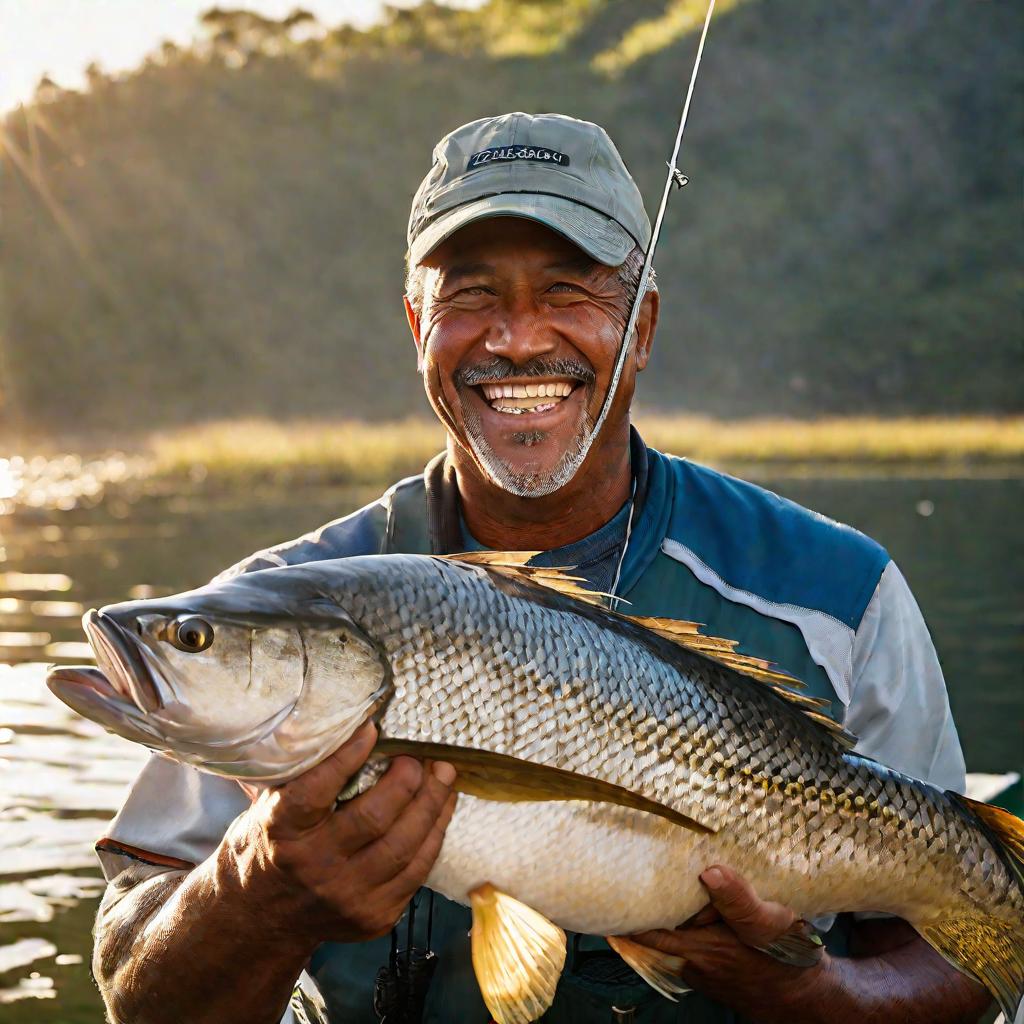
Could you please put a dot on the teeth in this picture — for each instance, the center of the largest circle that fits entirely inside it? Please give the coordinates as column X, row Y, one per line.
column 552, row 390
column 538, row 404
column 518, row 410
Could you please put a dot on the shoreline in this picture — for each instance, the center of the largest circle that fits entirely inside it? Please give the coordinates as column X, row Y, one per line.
column 64, row 472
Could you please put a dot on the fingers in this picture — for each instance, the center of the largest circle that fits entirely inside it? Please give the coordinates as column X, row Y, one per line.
column 710, row 951
column 367, row 817
column 309, row 799
column 406, row 882
column 708, row 914
column 675, row 943
column 755, row 921
column 394, row 848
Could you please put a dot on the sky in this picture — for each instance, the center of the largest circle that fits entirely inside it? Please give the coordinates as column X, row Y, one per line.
column 61, row 37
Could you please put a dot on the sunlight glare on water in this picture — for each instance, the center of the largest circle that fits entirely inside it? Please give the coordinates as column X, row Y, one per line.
column 8, row 483
column 61, row 779
column 64, row 482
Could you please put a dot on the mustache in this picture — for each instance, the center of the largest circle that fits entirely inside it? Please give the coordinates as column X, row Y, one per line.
column 490, row 371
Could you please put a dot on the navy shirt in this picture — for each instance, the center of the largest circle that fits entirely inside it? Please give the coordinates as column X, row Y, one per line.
column 595, row 558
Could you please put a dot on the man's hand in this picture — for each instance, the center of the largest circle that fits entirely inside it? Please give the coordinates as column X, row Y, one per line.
column 344, row 875
column 290, row 873
column 722, row 961
column 894, row 976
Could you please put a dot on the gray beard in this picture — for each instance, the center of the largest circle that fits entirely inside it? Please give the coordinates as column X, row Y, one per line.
column 525, row 484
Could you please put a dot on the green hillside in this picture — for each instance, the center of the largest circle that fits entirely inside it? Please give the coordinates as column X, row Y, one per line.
column 221, row 232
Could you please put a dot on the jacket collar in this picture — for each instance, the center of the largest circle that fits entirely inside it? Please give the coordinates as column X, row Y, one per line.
column 652, row 505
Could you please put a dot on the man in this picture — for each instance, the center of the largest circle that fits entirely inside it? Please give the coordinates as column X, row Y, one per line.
column 525, row 248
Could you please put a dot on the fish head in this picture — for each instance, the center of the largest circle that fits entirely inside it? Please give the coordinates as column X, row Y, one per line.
column 238, row 678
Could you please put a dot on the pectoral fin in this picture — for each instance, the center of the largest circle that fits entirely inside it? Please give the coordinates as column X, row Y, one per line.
column 801, row 946
column 503, row 778
column 659, row 970
column 518, row 956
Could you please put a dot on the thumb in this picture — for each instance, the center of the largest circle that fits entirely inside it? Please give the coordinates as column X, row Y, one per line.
column 308, row 800
column 755, row 921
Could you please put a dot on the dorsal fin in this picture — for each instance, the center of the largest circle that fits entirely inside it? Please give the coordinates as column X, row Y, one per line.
column 687, row 635
column 513, row 565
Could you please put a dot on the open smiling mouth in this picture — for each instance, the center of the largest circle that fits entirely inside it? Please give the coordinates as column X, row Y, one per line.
column 519, row 399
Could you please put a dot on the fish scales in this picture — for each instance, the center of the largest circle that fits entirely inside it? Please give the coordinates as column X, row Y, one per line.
column 543, row 681
column 669, row 761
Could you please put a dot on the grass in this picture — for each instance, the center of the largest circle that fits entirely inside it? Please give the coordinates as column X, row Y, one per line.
column 339, row 451
column 357, row 452
column 848, row 439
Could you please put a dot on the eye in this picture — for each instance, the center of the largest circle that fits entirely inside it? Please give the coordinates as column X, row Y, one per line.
column 190, row 634
column 564, row 286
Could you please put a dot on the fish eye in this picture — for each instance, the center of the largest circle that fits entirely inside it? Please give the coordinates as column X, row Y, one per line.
column 189, row 633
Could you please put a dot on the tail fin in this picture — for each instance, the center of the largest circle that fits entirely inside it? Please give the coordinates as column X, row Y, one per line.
column 990, row 949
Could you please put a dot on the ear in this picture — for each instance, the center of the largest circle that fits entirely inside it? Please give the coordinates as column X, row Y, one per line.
column 646, row 325
column 414, row 326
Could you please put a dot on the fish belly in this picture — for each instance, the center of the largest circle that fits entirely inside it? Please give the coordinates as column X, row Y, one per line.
column 601, row 869
column 590, row 868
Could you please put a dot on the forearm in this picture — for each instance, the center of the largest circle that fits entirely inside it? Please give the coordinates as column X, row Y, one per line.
column 892, row 976
column 226, row 940
column 196, row 946
column 907, row 984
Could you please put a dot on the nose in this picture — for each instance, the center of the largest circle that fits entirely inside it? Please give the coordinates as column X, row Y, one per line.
column 520, row 333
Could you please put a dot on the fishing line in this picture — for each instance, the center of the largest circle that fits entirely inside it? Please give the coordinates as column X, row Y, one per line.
column 678, row 179
column 613, row 603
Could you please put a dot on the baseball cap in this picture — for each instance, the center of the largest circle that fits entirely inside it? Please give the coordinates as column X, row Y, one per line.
column 557, row 170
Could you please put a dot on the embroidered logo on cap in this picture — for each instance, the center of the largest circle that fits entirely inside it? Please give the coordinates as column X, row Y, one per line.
column 506, row 154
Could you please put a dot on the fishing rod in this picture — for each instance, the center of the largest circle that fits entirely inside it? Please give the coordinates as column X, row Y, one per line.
column 675, row 178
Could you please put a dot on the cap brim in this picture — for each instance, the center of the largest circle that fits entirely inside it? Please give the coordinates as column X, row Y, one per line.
column 600, row 237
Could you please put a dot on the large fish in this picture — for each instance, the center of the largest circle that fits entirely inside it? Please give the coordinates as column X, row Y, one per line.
column 604, row 761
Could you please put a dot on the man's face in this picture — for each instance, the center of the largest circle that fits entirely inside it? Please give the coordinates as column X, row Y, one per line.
column 518, row 337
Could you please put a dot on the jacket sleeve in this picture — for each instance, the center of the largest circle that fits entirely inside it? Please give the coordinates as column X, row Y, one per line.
column 899, row 708
column 174, row 817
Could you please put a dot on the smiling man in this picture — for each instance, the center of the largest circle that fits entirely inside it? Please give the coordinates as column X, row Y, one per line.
column 526, row 246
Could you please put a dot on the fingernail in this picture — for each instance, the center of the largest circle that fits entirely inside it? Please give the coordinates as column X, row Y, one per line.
column 712, row 878
column 443, row 772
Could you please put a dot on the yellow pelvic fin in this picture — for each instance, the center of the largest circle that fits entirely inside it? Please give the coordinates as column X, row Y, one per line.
column 660, row 970
column 507, row 779
column 518, row 956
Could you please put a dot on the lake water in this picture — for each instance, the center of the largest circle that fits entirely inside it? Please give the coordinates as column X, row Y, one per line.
column 958, row 541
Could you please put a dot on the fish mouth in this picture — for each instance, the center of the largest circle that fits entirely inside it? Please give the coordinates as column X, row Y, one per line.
column 121, row 662
column 87, row 690
column 85, row 677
